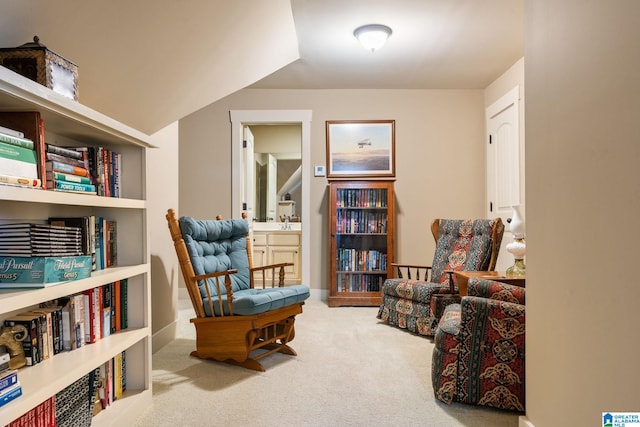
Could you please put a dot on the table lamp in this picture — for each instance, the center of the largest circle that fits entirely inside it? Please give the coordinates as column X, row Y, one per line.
column 517, row 248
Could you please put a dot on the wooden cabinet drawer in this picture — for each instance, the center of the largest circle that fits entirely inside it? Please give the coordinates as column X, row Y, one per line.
column 259, row 239
column 284, row 239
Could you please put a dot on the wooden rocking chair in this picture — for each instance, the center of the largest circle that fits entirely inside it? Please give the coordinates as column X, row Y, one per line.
column 235, row 322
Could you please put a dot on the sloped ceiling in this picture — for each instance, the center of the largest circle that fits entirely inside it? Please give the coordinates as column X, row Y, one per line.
column 150, row 63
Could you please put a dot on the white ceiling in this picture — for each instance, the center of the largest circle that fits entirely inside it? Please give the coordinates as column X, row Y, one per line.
column 148, row 66
column 436, row 44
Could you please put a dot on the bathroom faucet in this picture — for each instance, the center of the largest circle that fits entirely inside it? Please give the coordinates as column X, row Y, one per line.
column 286, row 225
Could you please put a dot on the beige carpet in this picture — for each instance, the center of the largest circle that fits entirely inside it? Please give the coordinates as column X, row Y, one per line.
column 350, row 370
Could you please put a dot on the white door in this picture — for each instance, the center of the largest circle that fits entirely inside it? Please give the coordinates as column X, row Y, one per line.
column 272, row 187
column 504, row 171
column 249, row 178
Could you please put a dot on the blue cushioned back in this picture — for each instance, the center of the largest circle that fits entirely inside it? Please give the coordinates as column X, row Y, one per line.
column 217, row 245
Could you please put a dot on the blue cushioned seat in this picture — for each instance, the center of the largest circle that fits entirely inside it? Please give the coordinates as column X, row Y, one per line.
column 221, row 245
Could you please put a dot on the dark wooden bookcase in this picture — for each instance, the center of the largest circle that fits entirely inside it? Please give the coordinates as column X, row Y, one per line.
column 361, row 247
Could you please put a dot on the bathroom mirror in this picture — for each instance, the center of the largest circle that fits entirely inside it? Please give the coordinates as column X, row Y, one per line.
column 277, row 173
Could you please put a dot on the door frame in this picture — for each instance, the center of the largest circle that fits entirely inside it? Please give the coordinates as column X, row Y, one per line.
column 511, row 99
column 240, row 118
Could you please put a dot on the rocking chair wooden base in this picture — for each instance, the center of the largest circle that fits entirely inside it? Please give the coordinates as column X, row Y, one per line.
column 243, row 340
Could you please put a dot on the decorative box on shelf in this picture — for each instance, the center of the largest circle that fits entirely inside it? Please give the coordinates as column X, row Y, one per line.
column 34, row 61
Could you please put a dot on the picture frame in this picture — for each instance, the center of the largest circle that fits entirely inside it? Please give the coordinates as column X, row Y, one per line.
column 360, row 148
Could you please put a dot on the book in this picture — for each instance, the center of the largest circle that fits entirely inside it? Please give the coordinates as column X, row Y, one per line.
column 63, row 159
column 106, row 309
column 111, row 243
column 20, row 181
column 85, row 158
column 99, row 239
column 68, row 323
column 32, row 125
column 71, row 187
column 117, row 383
column 113, row 307
column 15, row 140
column 54, row 166
column 117, row 302
column 10, row 394
column 62, row 151
column 80, row 319
column 124, row 301
column 102, row 387
column 40, row 272
column 18, row 161
column 88, row 316
column 124, row 371
column 60, row 176
column 12, row 132
column 8, row 379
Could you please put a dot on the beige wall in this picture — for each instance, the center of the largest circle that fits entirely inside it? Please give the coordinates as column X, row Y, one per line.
column 162, row 194
column 582, row 156
column 439, row 158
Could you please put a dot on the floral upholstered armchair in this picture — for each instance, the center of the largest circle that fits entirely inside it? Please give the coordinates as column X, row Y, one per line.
column 480, row 347
column 461, row 245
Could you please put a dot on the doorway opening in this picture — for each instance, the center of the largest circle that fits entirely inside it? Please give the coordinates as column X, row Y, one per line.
column 243, row 118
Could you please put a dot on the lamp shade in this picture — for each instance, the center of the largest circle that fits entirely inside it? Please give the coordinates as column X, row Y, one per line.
column 372, row 36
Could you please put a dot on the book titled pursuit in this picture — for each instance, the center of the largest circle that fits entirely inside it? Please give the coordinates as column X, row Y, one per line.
column 37, row 272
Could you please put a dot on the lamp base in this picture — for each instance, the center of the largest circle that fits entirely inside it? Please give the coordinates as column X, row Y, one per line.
column 517, row 269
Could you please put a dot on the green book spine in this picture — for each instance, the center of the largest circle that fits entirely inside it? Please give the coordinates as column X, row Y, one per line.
column 17, row 141
column 60, row 176
column 15, row 152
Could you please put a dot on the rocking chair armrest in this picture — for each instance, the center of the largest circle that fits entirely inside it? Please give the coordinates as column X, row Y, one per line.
column 273, row 268
column 214, row 274
column 227, row 284
column 408, row 268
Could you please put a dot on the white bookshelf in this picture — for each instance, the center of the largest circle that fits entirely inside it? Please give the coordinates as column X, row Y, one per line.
column 74, row 124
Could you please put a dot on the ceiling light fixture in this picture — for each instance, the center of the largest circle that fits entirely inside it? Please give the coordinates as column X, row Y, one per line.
column 372, row 36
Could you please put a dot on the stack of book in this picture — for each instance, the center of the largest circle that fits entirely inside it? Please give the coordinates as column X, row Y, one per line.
column 9, row 385
column 40, row 255
column 68, row 170
column 39, row 240
column 18, row 159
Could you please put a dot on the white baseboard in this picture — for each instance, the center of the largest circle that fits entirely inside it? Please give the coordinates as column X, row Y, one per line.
column 318, row 294
column 164, row 336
